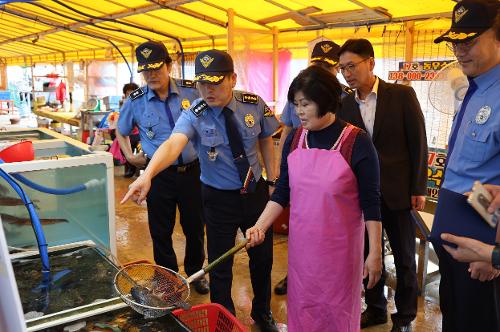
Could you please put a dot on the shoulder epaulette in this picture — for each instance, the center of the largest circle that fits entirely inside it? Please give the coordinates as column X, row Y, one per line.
column 199, row 108
column 245, row 97
column 347, row 90
column 136, row 93
column 185, row 83
column 267, row 111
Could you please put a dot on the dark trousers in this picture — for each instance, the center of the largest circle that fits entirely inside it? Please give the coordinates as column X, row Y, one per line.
column 400, row 230
column 168, row 190
column 466, row 304
column 225, row 211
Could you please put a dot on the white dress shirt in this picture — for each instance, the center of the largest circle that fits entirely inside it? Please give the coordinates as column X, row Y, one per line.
column 368, row 106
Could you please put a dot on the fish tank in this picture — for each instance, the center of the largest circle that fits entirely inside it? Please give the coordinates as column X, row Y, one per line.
column 27, row 134
column 61, row 162
column 78, row 224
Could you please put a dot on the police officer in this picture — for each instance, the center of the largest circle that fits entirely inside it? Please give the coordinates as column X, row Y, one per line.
column 468, row 304
column 154, row 109
column 225, row 126
column 325, row 55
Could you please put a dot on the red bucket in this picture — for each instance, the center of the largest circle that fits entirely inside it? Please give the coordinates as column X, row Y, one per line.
column 22, row 151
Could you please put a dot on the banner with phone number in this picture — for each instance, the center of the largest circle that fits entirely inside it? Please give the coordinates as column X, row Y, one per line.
column 435, row 170
column 418, row 70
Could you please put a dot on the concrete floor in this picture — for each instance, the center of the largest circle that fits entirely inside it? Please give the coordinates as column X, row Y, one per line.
column 134, row 243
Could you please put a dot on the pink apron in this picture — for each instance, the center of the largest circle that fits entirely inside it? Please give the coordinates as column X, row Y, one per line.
column 325, row 241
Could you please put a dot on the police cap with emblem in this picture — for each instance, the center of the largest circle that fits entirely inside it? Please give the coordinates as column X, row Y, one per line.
column 470, row 18
column 151, row 55
column 326, row 51
column 212, row 66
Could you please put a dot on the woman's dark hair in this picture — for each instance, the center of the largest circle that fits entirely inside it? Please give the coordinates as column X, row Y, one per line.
column 361, row 47
column 129, row 87
column 319, row 85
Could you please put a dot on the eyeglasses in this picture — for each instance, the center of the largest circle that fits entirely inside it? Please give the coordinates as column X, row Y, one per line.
column 352, row 66
column 464, row 47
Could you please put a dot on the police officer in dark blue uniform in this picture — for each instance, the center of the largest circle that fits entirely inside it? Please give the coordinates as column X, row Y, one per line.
column 326, row 55
column 225, row 126
column 468, row 293
column 154, row 109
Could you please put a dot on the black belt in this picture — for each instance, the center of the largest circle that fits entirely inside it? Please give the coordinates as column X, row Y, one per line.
column 179, row 168
column 184, row 167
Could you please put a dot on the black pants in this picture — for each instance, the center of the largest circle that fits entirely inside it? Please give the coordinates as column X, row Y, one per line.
column 400, row 230
column 466, row 304
column 225, row 211
column 169, row 189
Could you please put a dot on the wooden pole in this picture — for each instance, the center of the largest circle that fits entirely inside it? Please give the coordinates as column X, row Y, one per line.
column 410, row 35
column 230, row 31
column 275, row 66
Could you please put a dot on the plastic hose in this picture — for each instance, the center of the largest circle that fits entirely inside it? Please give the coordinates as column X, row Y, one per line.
column 35, row 222
column 55, row 191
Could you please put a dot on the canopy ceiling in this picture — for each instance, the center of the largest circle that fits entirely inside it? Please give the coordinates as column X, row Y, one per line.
column 74, row 29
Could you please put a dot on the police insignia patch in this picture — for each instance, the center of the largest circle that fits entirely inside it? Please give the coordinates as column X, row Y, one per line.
column 483, row 115
column 249, row 120
column 146, row 52
column 206, row 61
column 347, row 90
column 185, row 103
column 268, row 112
column 249, row 98
column 326, row 48
column 136, row 94
column 199, row 108
column 459, row 13
column 187, row 83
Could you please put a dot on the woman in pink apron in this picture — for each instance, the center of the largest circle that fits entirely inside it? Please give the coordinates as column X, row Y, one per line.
column 330, row 178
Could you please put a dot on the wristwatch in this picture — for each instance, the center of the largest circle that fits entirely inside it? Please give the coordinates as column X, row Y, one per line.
column 495, row 257
column 271, row 183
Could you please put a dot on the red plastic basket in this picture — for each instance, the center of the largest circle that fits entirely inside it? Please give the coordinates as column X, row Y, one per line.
column 22, row 151
column 211, row 317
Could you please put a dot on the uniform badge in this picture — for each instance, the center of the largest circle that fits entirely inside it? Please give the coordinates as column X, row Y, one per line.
column 326, row 48
column 199, row 108
column 459, row 13
column 268, row 112
column 347, row 90
column 483, row 115
column 187, row 84
column 206, row 61
column 212, row 154
column 250, row 98
column 146, row 52
column 150, row 134
column 185, row 103
column 136, row 94
column 249, row 120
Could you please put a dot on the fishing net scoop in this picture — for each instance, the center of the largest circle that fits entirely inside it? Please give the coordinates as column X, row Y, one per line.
column 154, row 291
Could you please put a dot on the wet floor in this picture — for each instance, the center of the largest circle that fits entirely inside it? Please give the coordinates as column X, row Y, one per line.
column 134, row 243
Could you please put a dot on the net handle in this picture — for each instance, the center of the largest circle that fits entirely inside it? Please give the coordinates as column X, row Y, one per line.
column 216, row 262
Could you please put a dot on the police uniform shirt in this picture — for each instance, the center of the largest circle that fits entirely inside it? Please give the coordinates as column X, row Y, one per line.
column 289, row 116
column 476, row 154
column 149, row 113
column 205, row 126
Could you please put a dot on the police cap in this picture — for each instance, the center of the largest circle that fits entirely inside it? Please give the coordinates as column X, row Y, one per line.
column 151, row 55
column 470, row 18
column 326, row 51
column 212, row 66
